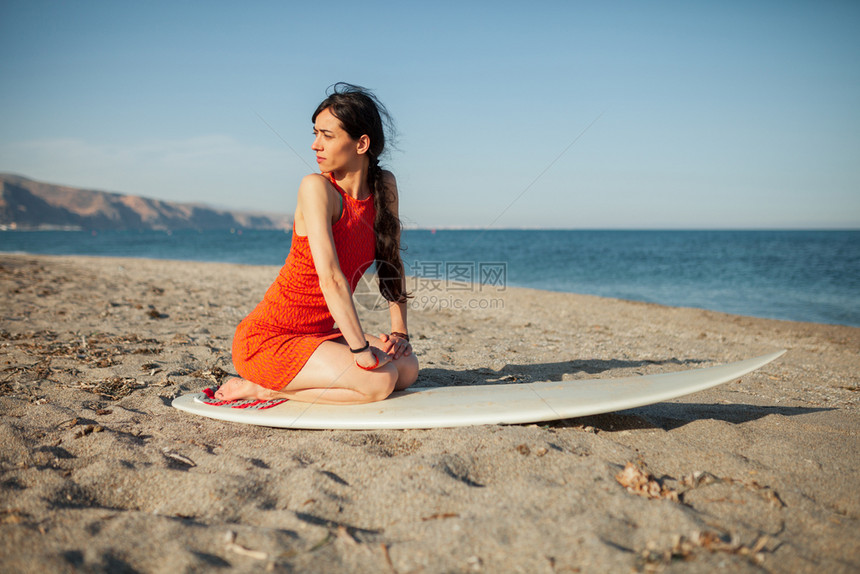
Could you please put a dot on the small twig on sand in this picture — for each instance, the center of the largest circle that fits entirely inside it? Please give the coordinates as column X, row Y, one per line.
column 230, row 544
column 387, row 557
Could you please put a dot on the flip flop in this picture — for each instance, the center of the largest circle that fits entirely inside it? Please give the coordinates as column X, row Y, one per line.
column 209, row 399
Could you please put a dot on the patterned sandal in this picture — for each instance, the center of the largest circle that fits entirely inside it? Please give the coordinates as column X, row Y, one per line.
column 210, row 399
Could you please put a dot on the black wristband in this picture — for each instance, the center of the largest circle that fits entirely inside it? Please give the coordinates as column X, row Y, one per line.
column 361, row 350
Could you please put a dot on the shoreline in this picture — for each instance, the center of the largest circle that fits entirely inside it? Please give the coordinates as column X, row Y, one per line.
column 417, row 278
column 764, row 470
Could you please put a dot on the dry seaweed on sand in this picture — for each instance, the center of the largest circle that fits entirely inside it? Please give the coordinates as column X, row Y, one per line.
column 703, row 478
column 113, row 388
column 640, row 481
column 95, row 350
column 652, row 557
column 215, row 374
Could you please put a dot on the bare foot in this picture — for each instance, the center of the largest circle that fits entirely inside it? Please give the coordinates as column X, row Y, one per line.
column 239, row 389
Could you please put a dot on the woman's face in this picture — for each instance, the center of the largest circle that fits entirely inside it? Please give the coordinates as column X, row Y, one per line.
column 335, row 149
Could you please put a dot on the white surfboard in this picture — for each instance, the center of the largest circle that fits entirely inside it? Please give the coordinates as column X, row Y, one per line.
column 436, row 407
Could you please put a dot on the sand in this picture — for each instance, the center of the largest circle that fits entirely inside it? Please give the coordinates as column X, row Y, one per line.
column 98, row 473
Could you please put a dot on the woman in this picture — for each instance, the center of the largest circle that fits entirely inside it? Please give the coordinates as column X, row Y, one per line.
column 345, row 218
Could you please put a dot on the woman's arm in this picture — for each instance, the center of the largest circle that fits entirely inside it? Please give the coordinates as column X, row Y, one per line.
column 316, row 206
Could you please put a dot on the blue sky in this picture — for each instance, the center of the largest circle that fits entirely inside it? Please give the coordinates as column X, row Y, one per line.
column 708, row 115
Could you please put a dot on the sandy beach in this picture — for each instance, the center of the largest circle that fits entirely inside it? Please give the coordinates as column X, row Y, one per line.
column 98, row 473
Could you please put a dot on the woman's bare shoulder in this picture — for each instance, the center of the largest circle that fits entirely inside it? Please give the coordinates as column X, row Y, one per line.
column 315, row 184
column 314, row 180
column 315, row 190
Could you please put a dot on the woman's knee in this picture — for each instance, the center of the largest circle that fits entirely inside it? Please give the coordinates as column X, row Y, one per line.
column 407, row 371
column 381, row 383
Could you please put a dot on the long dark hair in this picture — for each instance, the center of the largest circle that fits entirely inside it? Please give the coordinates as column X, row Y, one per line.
column 361, row 113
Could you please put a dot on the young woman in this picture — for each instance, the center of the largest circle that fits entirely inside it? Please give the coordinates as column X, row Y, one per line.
column 346, row 218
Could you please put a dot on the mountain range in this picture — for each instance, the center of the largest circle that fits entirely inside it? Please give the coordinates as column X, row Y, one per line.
column 26, row 204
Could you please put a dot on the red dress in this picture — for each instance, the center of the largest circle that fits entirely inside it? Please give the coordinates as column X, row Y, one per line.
column 274, row 342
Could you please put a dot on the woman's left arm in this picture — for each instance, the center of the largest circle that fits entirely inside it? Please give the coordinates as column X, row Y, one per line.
column 395, row 344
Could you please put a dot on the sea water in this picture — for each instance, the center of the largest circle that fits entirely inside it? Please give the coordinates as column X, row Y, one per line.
column 795, row 275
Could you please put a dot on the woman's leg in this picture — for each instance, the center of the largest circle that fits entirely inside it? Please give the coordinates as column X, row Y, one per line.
column 407, row 366
column 331, row 376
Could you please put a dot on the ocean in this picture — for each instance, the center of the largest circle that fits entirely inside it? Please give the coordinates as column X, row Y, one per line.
column 796, row 275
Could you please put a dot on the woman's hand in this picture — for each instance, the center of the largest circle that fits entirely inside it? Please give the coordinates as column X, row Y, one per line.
column 395, row 345
column 368, row 359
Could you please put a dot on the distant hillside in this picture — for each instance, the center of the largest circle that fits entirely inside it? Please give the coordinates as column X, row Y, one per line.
column 28, row 204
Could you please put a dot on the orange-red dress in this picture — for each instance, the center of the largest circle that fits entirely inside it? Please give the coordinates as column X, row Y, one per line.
column 274, row 342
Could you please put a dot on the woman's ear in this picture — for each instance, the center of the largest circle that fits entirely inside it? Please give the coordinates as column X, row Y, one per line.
column 363, row 144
